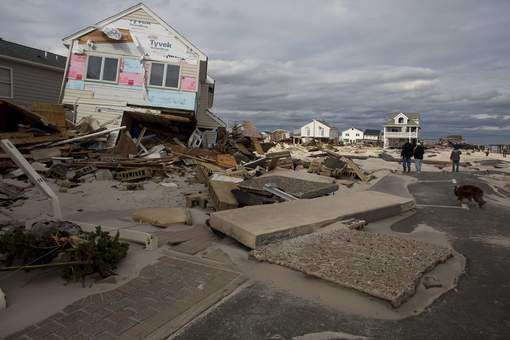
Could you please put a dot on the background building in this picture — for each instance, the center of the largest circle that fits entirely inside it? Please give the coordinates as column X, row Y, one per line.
column 29, row 75
column 279, row 135
column 372, row 136
column 318, row 129
column 352, row 136
column 401, row 127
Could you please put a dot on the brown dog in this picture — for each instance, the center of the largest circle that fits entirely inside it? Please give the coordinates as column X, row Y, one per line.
column 470, row 192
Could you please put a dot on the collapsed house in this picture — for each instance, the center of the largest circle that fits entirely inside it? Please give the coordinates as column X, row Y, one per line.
column 133, row 69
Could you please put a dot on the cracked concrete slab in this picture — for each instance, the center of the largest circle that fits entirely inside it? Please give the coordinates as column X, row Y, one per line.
column 384, row 266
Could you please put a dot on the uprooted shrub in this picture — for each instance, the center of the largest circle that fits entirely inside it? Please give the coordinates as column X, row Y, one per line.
column 99, row 253
column 81, row 253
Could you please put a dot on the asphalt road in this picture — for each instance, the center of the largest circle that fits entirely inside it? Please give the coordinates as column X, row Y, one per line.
column 478, row 309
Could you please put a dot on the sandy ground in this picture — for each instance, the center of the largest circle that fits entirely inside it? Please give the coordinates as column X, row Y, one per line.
column 35, row 295
column 374, row 163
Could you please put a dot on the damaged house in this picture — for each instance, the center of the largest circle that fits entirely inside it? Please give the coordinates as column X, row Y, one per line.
column 133, row 69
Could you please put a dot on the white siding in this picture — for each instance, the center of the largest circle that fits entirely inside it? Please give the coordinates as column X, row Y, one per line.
column 140, row 15
column 116, row 92
column 316, row 129
column 71, row 96
column 352, row 135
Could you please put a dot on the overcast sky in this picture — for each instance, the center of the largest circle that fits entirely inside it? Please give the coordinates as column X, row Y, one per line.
column 282, row 63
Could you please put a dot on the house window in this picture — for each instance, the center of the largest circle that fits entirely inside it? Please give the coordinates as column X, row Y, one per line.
column 307, row 131
column 401, row 120
column 357, row 135
column 6, row 88
column 164, row 75
column 321, row 131
column 102, row 68
column 346, row 135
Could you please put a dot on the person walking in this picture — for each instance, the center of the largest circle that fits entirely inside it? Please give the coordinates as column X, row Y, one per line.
column 407, row 153
column 419, row 150
column 455, row 158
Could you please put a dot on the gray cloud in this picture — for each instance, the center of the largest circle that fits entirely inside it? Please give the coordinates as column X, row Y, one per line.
column 281, row 63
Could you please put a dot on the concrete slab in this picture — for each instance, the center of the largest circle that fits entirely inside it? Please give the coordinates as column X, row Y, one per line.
column 299, row 174
column 162, row 217
column 296, row 187
column 255, row 226
column 384, row 266
column 221, row 195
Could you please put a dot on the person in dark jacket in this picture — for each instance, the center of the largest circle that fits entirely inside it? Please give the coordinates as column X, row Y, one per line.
column 419, row 150
column 455, row 158
column 407, row 153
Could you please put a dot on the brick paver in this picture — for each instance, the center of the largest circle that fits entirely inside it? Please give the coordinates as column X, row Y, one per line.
column 162, row 292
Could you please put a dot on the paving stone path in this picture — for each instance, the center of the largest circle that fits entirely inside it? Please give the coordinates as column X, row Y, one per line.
column 154, row 304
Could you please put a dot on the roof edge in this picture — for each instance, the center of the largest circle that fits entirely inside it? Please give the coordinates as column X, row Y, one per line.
column 66, row 40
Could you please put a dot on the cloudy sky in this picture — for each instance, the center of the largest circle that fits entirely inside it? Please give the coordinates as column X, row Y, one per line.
column 282, row 63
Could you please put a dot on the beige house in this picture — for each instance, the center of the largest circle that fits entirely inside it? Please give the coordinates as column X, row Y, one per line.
column 401, row 127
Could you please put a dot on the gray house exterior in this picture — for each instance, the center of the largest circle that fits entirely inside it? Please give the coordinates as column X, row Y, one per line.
column 29, row 75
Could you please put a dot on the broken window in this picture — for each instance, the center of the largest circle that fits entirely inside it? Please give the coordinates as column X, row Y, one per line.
column 5, row 82
column 102, row 68
column 164, row 75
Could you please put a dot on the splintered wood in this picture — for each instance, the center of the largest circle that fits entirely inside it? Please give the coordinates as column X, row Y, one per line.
column 380, row 265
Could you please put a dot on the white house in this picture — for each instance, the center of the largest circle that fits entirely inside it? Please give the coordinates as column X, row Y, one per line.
column 371, row 136
column 318, row 129
column 401, row 127
column 352, row 136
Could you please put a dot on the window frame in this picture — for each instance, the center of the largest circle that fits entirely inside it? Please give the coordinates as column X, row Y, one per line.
column 165, row 67
column 101, row 72
column 10, row 83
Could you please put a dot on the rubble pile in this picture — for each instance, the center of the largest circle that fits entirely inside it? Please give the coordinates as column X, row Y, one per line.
column 84, row 153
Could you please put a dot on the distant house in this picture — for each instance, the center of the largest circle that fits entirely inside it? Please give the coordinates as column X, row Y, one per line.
column 401, row 127
column 371, row 136
column 279, row 135
column 318, row 129
column 352, row 136
column 29, row 75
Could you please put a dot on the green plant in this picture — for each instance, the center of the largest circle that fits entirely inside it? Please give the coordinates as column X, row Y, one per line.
column 17, row 244
column 99, row 253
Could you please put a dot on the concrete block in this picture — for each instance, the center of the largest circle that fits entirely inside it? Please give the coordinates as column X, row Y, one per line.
column 162, row 217
column 221, row 194
column 296, row 187
column 254, row 226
